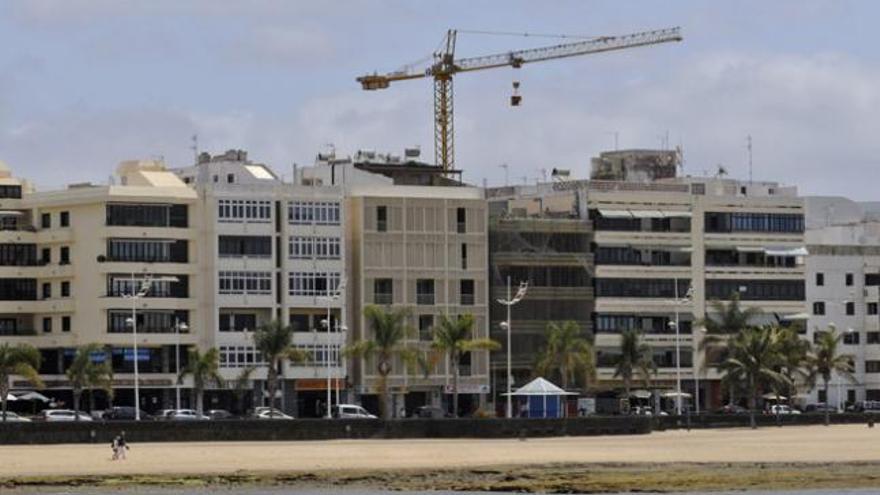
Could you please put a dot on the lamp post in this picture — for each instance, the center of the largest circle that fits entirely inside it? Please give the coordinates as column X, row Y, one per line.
column 179, row 326
column 133, row 297
column 677, row 324
column 331, row 297
column 520, row 294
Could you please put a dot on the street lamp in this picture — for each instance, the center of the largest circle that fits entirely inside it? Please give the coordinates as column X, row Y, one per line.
column 179, row 326
column 677, row 324
column 520, row 294
column 331, row 297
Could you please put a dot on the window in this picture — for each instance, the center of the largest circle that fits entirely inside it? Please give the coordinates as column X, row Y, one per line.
column 313, row 283
column 461, row 220
column 872, row 279
column 300, row 322
column 548, row 276
column 320, row 355
column 872, row 308
column 851, row 338
column 10, row 192
column 850, row 308
column 820, row 279
column 241, row 246
column 47, row 325
column 244, row 211
column 819, row 308
column 18, row 289
column 148, row 321
column 464, row 256
column 849, row 279
column 46, row 290
column 383, row 292
column 45, row 221
column 425, row 291
column 245, row 282
column 65, row 289
column 873, row 338
column 636, row 287
column 65, row 323
column 238, row 322
column 756, row 290
column 753, row 222
column 230, row 178
column 46, row 256
column 308, row 247
column 148, row 251
column 123, row 284
column 426, row 327
column 147, row 215
column 12, row 254
column 240, row 357
column 822, row 396
column 467, row 292
column 381, row 218
column 64, row 221
column 872, row 366
column 65, row 256
column 313, row 213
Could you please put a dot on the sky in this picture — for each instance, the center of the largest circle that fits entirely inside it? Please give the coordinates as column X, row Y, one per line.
column 85, row 84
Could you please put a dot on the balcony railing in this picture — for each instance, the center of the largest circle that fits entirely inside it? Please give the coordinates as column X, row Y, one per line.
column 426, row 299
column 467, row 299
column 383, row 298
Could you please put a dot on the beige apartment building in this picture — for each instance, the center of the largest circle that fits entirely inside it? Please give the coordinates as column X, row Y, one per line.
column 72, row 256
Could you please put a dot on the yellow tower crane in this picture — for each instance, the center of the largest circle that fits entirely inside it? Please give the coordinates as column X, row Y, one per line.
column 445, row 66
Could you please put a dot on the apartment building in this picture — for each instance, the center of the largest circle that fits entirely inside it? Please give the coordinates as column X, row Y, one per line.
column 69, row 259
column 271, row 251
column 420, row 249
column 666, row 246
column 843, row 279
column 539, row 235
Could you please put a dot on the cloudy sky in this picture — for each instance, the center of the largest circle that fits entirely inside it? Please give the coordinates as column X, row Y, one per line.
column 87, row 83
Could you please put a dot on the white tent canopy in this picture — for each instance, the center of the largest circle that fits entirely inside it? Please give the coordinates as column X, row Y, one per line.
column 539, row 386
column 10, row 398
column 33, row 396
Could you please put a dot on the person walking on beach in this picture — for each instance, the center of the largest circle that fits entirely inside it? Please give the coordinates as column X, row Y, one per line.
column 119, row 446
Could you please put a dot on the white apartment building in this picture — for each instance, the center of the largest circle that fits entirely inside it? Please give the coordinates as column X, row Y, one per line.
column 272, row 251
column 68, row 258
column 843, row 279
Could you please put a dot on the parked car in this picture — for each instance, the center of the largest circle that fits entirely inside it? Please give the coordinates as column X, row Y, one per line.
column 264, row 412
column 820, row 407
column 186, row 415
column 350, row 411
column 865, row 406
column 732, row 409
column 272, row 414
column 781, row 409
column 163, row 414
column 123, row 413
column 219, row 414
column 11, row 417
column 58, row 415
column 433, row 412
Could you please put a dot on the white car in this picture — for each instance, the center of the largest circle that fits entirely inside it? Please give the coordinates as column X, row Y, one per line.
column 782, row 409
column 185, row 415
column 351, row 411
column 57, row 415
column 11, row 417
column 271, row 414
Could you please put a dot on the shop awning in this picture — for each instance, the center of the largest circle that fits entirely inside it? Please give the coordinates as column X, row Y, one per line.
column 677, row 214
column 647, row 214
column 10, row 213
column 796, row 317
column 786, row 251
column 615, row 213
column 750, row 249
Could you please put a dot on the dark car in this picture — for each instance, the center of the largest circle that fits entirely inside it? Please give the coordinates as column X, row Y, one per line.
column 432, row 412
column 123, row 413
column 821, row 407
column 732, row 409
column 218, row 414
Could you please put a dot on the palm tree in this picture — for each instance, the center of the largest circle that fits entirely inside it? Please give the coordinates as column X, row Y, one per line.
column 793, row 353
column 389, row 331
column 453, row 338
column 825, row 361
column 274, row 342
column 730, row 319
column 568, row 353
column 84, row 373
column 240, row 385
column 204, row 369
column 636, row 358
column 753, row 358
column 22, row 360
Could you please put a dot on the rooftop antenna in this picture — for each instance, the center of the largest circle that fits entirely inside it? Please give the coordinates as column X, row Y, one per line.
column 616, row 135
column 506, row 174
column 195, row 147
column 544, row 175
column 749, row 146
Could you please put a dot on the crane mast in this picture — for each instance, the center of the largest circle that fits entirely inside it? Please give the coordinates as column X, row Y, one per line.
column 445, row 66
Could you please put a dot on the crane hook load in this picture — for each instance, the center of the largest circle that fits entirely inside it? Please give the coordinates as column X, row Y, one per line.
column 515, row 98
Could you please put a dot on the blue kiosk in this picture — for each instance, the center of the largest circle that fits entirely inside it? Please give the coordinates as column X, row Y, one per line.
column 540, row 399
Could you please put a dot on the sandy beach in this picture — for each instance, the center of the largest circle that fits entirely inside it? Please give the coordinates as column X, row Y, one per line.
column 788, row 446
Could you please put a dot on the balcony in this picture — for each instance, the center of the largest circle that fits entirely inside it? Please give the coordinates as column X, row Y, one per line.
column 425, row 299
column 467, row 300
column 383, row 298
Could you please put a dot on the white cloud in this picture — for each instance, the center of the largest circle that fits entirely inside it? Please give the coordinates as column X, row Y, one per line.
column 285, row 46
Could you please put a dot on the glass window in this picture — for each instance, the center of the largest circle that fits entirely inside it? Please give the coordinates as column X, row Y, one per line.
column 65, row 219
column 383, row 291
column 819, row 308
